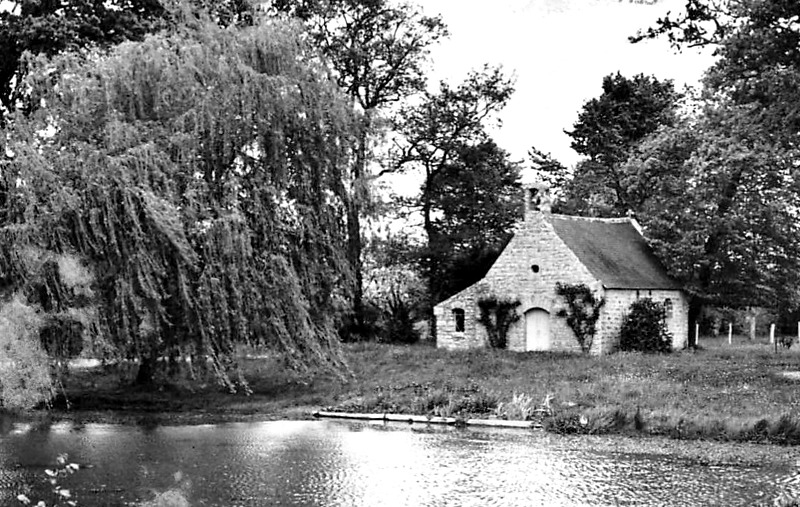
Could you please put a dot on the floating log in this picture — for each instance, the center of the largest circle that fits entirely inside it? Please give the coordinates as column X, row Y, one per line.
column 352, row 415
column 502, row 423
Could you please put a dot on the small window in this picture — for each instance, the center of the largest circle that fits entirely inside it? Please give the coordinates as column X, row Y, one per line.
column 668, row 308
column 535, row 268
column 458, row 317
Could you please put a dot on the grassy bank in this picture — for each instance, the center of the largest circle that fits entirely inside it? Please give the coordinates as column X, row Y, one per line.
column 739, row 392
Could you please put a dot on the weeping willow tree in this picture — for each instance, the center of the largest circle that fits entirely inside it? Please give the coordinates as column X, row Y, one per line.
column 199, row 175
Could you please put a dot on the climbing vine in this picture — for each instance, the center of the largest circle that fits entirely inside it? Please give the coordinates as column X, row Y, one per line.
column 497, row 316
column 581, row 313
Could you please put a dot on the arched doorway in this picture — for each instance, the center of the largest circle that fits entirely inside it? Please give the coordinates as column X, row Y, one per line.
column 537, row 329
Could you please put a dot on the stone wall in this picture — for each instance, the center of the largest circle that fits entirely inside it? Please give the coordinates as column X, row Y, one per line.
column 618, row 304
column 512, row 277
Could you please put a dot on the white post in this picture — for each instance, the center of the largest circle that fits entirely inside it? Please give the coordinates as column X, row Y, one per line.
column 772, row 333
column 697, row 335
column 730, row 333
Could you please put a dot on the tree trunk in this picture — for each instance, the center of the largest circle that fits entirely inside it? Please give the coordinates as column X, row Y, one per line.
column 146, row 373
column 695, row 309
column 354, row 243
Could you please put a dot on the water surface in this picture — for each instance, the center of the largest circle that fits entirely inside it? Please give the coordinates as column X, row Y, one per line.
column 327, row 463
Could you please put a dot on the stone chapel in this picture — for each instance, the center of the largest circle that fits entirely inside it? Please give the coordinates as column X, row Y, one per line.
column 609, row 255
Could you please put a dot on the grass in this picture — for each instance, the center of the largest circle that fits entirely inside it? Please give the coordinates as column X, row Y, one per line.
column 723, row 392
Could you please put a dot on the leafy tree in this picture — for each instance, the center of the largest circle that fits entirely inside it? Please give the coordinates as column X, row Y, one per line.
column 644, row 328
column 468, row 196
column 581, row 313
column 52, row 26
column 555, row 175
column 628, row 110
column 394, row 287
column 199, row 176
column 734, row 240
column 378, row 50
column 720, row 205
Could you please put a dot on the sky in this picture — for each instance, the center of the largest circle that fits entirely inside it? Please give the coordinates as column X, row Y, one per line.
column 559, row 51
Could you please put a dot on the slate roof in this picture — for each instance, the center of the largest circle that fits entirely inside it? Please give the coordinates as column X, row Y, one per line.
column 614, row 252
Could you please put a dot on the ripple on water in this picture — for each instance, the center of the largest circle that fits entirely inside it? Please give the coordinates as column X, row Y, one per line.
column 331, row 464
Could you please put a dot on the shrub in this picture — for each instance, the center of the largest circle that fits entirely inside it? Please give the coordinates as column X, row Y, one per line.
column 496, row 316
column 582, row 311
column 522, row 407
column 399, row 323
column 24, row 369
column 645, row 329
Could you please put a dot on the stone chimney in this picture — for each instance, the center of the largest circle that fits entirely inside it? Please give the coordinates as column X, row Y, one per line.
column 537, row 199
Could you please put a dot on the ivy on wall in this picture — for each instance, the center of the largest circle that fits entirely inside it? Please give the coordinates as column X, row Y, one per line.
column 581, row 313
column 497, row 316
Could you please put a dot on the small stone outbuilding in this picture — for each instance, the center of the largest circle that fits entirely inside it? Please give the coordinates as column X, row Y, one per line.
column 609, row 255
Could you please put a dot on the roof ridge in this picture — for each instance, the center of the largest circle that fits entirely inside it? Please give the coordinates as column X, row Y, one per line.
column 611, row 220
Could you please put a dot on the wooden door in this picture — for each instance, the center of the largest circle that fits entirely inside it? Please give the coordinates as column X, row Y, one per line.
column 537, row 329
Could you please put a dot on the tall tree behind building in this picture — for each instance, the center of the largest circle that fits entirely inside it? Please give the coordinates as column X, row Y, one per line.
column 469, row 185
column 378, row 50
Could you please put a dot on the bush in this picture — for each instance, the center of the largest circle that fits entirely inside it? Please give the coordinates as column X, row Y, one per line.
column 522, row 407
column 24, row 369
column 399, row 323
column 645, row 329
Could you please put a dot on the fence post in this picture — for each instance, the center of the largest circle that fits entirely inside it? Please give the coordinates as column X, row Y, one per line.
column 730, row 333
column 697, row 335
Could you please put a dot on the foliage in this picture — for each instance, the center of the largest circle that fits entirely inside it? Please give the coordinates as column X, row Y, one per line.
column 377, row 50
column 49, row 27
column 521, row 407
column 628, row 110
column 46, row 28
column 719, row 204
column 399, row 322
column 555, row 175
column 740, row 229
column 199, row 176
column 496, row 316
column 644, row 328
column 582, row 311
column 62, row 337
column 61, row 497
column 396, row 291
column 469, row 187
column 24, row 368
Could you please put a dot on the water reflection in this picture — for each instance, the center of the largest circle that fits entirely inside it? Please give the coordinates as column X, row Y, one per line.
column 313, row 463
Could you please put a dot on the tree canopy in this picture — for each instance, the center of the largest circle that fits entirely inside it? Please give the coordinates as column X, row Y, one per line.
column 377, row 50
column 608, row 127
column 468, row 196
column 199, row 176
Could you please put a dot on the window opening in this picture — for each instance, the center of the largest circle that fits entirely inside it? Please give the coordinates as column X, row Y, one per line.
column 668, row 308
column 458, row 316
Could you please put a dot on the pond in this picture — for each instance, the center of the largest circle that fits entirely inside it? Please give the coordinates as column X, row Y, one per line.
column 329, row 463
